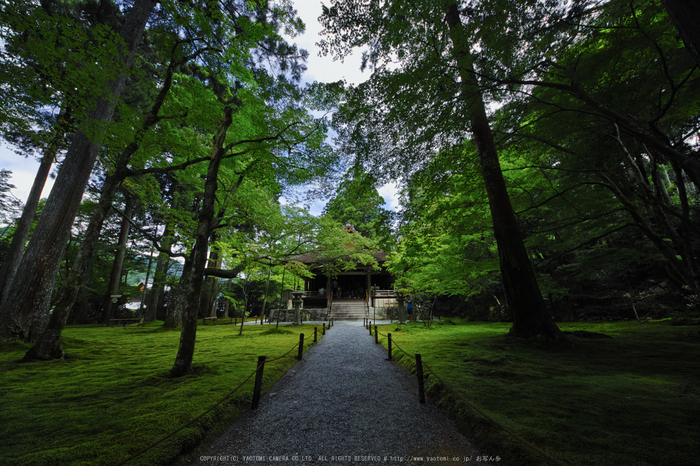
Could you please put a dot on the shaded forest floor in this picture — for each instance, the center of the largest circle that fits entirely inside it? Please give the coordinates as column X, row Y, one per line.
column 111, row 397
column 622, row 393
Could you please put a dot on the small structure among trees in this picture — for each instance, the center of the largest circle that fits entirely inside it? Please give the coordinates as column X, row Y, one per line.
column 346, row 287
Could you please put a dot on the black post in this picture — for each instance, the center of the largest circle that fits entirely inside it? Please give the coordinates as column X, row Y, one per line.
column 323, row 331
column 301, row 346
column 389, row 358
column 315, row 334
column 376, row 335
column 419, row 372
column 370, row 328
column 258, row 382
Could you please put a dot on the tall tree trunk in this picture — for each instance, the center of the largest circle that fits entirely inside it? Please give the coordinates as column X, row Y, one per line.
column 192, row 284
column 176, row 306
column 227, row 305
column 48, row 344
column 213, row 297
column 267, row 290
column 155, row 298
column 144, row 292
column 530, row 315
column 211, row 288
column 115, row 278
column 19, row 239
column 26, row 305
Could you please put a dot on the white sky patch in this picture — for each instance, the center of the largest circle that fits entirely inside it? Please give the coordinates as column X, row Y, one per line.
column 390, row 193
column 316, row 208
column 23, row 173
column 324, row 69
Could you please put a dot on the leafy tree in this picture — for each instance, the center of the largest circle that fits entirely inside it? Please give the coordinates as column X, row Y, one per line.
column 24, row 308
column 433, row 43
column 8, row 203
column 43, row 72
column 600, row 178
column 358, row 203
column 580, row 183
column 264, row 141
column 446, row 243
column 49, row 341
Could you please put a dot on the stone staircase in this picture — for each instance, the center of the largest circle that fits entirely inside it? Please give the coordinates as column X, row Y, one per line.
column 349, row 309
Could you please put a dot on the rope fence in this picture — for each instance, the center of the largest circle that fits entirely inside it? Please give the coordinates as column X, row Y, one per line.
column 258, row 372
column 421, row 394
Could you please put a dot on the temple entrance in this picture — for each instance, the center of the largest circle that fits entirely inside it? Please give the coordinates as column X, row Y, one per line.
column 347, row 287
column 353, row 292
column 352, row 285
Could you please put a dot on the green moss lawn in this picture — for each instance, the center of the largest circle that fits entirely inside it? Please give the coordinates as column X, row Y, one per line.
column 633, row 399
column 112, row 396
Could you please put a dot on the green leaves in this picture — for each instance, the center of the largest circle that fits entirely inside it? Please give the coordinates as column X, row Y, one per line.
column 52, row 58
column 358, row 203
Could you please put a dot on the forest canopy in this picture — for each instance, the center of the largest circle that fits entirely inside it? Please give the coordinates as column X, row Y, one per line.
column 547, row 154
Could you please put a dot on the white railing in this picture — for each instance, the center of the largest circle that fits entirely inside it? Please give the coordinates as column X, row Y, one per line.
column 384, row 293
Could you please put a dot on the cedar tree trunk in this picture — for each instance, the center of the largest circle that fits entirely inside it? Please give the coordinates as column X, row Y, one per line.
column 19, row 239
column 530, row 316
column 115, row 278
column 48, row 344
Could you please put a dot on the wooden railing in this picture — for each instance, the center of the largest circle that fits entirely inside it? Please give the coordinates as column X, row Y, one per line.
column 384, row 293
column 314, row 294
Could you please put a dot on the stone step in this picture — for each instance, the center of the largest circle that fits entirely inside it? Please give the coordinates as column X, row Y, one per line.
column 349, row 311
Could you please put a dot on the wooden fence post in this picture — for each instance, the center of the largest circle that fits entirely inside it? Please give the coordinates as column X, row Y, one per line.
column 376, row 335
column 301, row 346
column 389, row 358
column 258, row 382
column 419, row 372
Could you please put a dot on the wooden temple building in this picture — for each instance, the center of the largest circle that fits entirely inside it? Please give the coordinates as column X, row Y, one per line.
column 347, row 295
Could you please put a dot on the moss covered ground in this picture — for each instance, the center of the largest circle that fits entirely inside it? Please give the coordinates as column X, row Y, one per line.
column 112, row 397
column 631, row 399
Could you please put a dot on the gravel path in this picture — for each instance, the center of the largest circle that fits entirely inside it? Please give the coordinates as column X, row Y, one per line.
column 343, row 404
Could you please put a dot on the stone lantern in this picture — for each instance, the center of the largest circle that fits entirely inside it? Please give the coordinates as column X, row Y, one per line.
column 402, row 305
column 297, row 302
